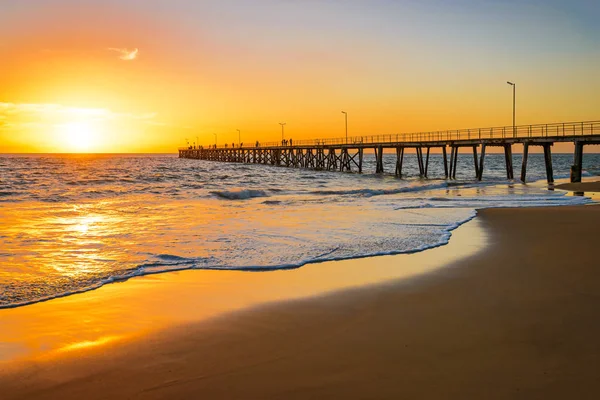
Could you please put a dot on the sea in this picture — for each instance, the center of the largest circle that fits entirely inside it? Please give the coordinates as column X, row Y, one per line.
column 72, row 223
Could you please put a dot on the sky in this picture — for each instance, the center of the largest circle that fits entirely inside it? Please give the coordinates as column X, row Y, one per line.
column 145, row 75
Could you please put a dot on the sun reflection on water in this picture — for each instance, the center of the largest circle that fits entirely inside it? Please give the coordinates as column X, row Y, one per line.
column 86, row 344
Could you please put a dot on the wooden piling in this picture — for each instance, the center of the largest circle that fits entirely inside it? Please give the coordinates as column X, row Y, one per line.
column 445, row 156
column 399, row 159
column 379, row 159
column 475, row 161
column 419, row 152
column 455, row 162
column 360, row 160
column 524, row 164
column 577, row 163
column 508, row 160
column 346, row 160
column 481, row 158
column 548, row 161
column 451, row 161
column 427, row 162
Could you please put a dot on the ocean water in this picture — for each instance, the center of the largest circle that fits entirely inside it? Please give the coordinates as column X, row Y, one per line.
column 70, row 223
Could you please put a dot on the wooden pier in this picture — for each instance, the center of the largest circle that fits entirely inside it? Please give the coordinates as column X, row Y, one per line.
column 346, row 155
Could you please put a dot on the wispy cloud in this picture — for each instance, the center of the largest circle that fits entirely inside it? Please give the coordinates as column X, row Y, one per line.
column 20, row 115
column 125, row 54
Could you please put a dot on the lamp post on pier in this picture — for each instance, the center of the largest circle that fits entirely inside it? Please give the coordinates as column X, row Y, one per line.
column 282, row 125
column 346, row 120
column 514, row 87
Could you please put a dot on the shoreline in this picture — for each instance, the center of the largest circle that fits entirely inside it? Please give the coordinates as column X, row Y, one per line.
column 111, row 303
column 516, row 320
column 581, row 187
column 123, row 279
column 587, row 188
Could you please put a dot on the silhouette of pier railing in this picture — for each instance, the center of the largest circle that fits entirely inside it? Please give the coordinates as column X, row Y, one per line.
column 322, row 154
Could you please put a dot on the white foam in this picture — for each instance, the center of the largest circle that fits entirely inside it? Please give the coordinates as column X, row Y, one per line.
column 242, row 194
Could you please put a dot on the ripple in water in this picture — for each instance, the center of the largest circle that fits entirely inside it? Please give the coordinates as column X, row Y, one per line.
column 73, row 223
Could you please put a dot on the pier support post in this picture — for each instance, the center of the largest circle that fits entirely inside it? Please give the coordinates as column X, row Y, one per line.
column 320, row 159
column 360, row 160
column 475, row 161
column 427, row 161
column 508, row 159
column 331, row 160
column 451, row 161
column 577, row 163
column 345, row 164
column 548, row 161
column 524, row 165
column 445, row 161
column 379, row 158
column 419, row 151
column 455, row 162
column 399, row 160
column 481, row 162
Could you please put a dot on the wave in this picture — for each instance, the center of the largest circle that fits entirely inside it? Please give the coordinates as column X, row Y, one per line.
column 271, row 202
column 263, row 244
column 171, row 263
column 239, row 194
column 379, row 192
column 162, row 263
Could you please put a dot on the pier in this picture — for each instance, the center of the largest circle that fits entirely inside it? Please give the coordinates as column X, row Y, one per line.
column 346, row 154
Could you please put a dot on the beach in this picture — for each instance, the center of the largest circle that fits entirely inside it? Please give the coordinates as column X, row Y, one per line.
column 297, row 200
column 593, row 186
column 516, row 319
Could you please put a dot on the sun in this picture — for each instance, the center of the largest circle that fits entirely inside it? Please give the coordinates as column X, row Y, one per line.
column 79, row 136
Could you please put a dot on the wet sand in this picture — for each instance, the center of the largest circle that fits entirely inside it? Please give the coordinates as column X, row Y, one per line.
column 580, row 187
column 520, row 319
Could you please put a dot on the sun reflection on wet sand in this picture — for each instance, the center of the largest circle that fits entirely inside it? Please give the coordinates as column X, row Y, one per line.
column 85, row 344
column 115, row 313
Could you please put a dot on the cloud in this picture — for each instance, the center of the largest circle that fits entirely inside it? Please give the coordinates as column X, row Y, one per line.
column 22, row 115
column 125, row 54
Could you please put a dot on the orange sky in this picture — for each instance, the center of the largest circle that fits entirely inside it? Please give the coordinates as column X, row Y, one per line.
column 216, row 67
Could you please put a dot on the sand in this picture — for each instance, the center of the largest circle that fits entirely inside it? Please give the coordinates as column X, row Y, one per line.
column 581, row 186
column 518, row 320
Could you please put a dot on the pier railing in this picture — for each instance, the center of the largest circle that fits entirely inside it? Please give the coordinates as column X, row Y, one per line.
column 561, row 129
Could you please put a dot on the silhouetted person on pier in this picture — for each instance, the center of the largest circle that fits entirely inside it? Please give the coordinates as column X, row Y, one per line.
column 232, row 145
column 242, row 144
column 257, row 143
column 290, row 141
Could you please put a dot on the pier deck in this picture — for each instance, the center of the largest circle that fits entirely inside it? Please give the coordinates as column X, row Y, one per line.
column 346, row 154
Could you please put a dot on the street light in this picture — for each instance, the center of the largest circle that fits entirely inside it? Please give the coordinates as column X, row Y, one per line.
column 346, row 119
column 514, row 86
column 282, row 125
column 239, row 137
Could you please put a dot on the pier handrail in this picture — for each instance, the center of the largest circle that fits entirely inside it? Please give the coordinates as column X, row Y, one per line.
column 557, row 129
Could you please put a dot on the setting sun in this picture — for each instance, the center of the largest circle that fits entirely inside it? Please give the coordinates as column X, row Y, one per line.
column 79, row 136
